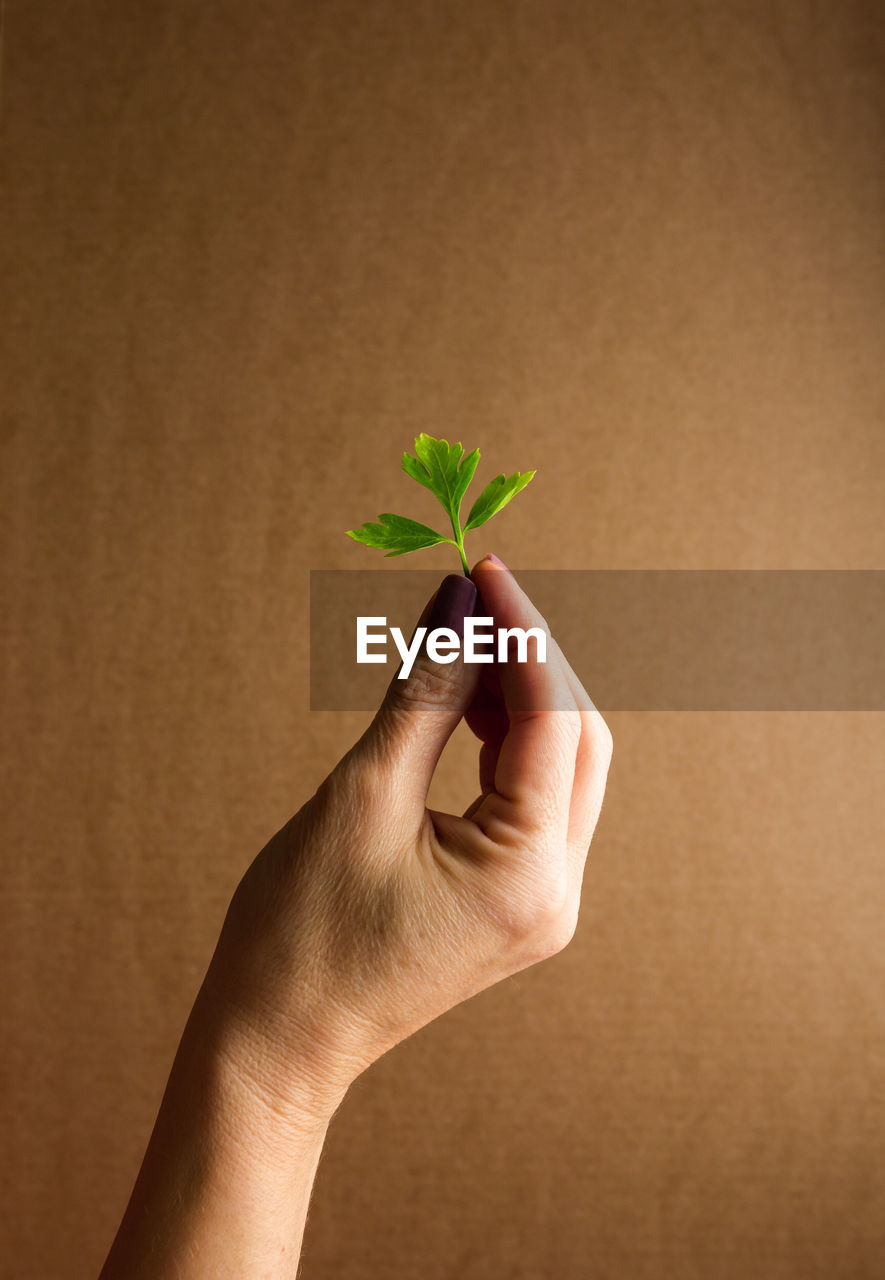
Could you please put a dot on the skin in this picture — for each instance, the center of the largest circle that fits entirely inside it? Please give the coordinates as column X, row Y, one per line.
column 364, row 918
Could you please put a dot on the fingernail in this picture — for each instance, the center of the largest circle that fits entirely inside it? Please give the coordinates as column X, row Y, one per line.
column 454, row 601
column 494, row 559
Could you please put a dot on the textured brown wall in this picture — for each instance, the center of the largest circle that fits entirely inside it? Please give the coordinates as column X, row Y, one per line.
column 248, row 249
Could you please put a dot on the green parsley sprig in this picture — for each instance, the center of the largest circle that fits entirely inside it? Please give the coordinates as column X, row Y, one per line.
column 446, row 471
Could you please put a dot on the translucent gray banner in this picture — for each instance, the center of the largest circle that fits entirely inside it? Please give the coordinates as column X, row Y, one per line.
column 644, row 639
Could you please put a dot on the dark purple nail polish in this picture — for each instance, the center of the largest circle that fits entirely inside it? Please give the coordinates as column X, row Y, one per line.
column 454, row 601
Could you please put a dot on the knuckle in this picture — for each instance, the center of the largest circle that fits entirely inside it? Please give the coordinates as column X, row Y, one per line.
column 551, row 936
column 601, row 737
column 570, row 726
column 561, row 727
column 428, row 685
column 526, row 914
column 552, row 896
column 562, row 931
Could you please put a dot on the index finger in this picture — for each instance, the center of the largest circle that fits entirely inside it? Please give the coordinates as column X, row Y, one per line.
column 535, row 768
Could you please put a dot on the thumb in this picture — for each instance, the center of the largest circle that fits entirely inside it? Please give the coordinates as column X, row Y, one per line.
column 419, row 713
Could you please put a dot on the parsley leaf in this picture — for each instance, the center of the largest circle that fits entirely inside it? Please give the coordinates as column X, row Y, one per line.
column 442, row 469
column 446, row 471
column 396, row 534
column 496, row 495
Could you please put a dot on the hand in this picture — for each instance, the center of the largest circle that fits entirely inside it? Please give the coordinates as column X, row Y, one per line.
column 365, row 917
column 369, row 914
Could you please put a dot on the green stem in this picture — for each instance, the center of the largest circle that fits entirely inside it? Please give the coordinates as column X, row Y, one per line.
column 459, row 543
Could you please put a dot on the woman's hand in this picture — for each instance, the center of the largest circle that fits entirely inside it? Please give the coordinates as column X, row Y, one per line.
column 369, row 914
column 364, row 918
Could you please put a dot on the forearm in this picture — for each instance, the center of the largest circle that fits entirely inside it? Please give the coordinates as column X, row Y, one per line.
column 226, row 1180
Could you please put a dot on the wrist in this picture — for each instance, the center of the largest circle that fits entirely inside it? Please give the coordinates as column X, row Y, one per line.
column 284, row 1089
column 275, row 1022
column 283, row 1086
column 288, row 1065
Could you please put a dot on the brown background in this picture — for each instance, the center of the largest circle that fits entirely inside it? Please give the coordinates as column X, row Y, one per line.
column 248, row 249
